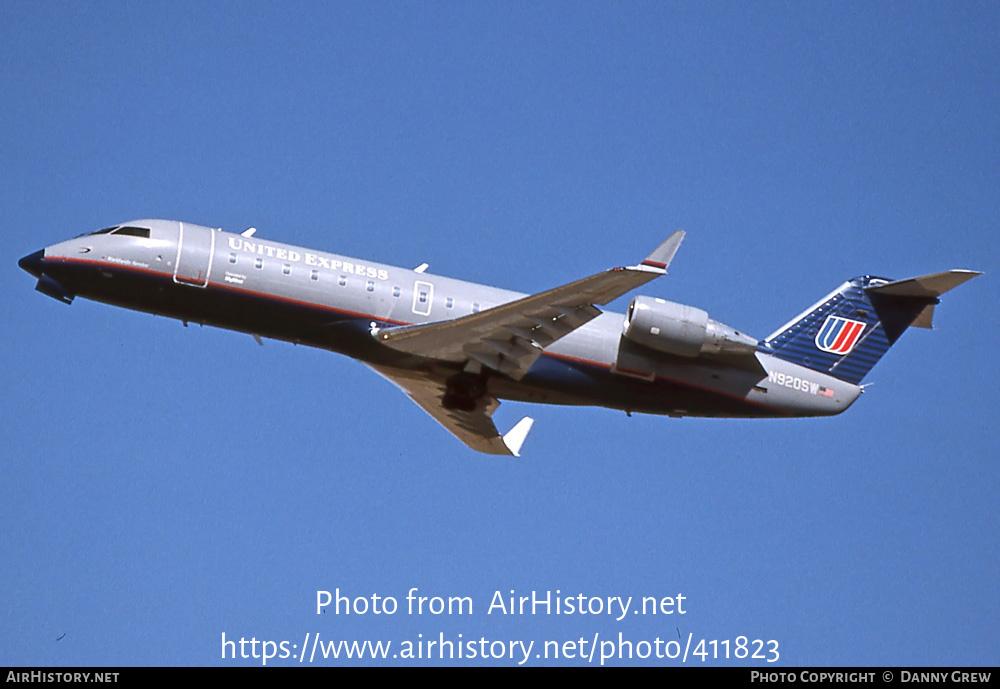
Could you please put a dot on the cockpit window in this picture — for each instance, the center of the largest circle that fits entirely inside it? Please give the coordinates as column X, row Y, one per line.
column 133, row 231
column 106, row 230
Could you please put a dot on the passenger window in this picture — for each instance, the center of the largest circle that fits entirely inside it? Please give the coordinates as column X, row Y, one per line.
column 342, row 281
column 370, row 286
column 449, row 302
column 286, row 269
column 232, row 258
column 395, row 291
column 258, row 263
column 314, row 275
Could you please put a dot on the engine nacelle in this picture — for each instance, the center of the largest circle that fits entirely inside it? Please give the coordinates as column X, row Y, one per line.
column 681, row 330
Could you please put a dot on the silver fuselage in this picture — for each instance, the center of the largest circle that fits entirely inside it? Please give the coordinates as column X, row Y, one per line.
column 268, row 289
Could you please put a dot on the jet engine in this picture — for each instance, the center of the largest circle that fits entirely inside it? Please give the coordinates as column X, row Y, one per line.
column 681, row 330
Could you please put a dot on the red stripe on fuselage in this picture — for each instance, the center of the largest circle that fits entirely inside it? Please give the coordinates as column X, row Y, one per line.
column 232, row 288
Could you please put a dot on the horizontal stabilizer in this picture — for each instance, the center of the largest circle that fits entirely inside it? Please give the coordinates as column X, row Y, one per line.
column 923, row 290
column 933, row 285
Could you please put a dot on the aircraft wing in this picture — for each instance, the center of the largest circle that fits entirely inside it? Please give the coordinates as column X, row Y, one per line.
column 508, row 338
column 474, row 428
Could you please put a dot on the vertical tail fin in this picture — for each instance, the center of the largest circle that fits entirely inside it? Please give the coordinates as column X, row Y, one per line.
column 847, row 332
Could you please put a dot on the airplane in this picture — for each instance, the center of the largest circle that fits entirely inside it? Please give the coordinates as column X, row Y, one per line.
column 457, row 348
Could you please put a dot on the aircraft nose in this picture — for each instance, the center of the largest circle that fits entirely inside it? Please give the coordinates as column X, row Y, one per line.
column 33, row 263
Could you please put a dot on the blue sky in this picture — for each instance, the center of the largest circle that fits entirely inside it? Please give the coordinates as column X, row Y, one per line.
column 162, row 486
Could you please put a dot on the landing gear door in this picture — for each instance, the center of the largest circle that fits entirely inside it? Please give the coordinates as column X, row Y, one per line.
column 195, row 250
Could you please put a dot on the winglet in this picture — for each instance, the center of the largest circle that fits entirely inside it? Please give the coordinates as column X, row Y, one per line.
column 514, row 438
column 660, row 259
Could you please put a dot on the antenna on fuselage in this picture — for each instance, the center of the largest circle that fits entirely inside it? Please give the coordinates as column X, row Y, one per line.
column 422, row 267
column 248, row 232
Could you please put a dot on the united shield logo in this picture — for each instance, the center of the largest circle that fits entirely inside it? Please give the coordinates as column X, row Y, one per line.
column 839, row 335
